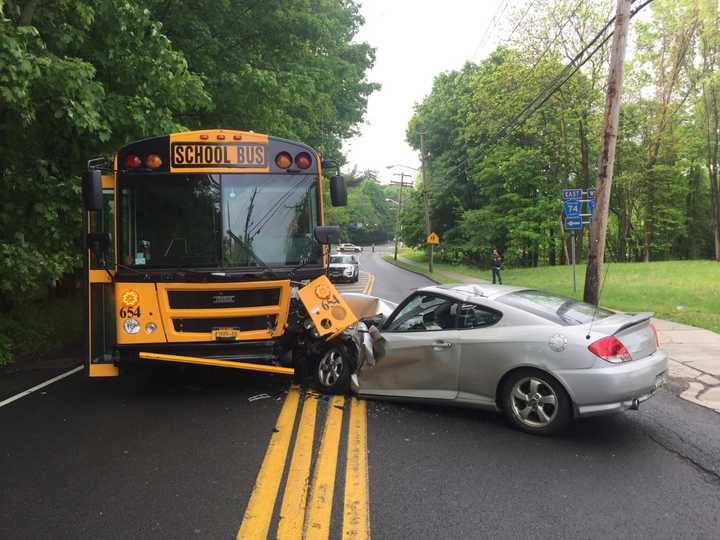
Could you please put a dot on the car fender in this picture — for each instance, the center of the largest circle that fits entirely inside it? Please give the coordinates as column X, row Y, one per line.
column 556, row 376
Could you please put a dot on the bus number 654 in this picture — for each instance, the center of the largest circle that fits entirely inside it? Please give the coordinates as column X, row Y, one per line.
column 126, row 312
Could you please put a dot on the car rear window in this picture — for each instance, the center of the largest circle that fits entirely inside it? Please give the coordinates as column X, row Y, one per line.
column 558, row 309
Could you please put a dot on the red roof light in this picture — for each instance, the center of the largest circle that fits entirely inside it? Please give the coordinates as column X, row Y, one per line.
column 132, row 161
column 303, row 160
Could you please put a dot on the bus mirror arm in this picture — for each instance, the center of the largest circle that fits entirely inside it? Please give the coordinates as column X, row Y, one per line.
column 99, row 244
column 92, row 190
column 338, row 191
column 327, row 234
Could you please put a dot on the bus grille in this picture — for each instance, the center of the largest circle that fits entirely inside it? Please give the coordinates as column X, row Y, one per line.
column 244, row 324
column 218, row 299
column 256, row 310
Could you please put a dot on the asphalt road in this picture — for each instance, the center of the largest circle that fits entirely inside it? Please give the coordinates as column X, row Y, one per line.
column 179, row 458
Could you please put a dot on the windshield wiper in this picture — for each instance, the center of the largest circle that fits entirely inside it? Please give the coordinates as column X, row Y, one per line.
column 303, row 264
column 249, row 250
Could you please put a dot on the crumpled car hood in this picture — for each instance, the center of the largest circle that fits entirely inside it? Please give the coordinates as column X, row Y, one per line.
column 367, row 338
column 365, row 306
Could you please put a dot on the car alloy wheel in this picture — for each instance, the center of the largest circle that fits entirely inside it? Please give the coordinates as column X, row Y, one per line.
column 534, row 402
column 332, row 374
column 330, row 368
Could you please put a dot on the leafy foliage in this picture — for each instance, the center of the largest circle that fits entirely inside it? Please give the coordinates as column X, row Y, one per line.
column 79, row 78
column 491, row 186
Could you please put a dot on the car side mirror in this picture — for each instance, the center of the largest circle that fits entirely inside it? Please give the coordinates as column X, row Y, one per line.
column 92, row 190
column 338, row 191
column 327, row 234
column 454, row 310
column 99, row 243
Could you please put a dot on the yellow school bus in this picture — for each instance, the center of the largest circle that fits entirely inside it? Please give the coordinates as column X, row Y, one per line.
column 209, row 247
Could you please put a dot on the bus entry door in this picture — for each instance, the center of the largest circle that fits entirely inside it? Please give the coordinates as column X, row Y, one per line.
column 100, row 336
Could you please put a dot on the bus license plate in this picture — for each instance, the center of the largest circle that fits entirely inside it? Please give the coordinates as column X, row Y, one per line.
column 226, row 334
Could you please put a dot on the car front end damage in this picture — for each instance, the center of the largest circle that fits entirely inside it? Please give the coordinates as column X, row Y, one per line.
column 295, row 332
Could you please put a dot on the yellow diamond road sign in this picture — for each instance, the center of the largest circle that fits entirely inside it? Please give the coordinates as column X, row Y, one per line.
column 433, row 239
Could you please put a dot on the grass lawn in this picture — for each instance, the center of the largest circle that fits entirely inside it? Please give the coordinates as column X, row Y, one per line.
column 684, row 291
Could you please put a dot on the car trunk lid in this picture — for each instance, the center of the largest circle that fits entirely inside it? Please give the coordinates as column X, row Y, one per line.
column 633, row 330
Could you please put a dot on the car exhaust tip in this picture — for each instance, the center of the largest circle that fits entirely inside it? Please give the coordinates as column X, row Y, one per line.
column 635, row 405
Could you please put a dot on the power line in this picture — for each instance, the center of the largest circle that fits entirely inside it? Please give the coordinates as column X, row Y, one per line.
column 520, row 20
column 490, row 27
column 557, row 35
column 558, row 81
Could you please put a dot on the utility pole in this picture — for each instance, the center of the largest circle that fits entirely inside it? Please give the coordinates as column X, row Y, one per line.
column 426, row 204
column 402, row 176
column 606, row 161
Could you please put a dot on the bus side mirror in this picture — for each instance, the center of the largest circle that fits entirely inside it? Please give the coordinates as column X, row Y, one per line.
column 338, row 191
column 99, row 243
column 327, row 234
column 92, row 190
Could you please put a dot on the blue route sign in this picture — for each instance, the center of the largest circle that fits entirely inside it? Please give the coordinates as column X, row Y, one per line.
column 571, row 207
column 573, row 223
column 571, row 194
column 591, row 207
column 591, row 193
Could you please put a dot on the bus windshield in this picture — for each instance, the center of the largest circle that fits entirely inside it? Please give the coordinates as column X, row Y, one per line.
column 218, row 220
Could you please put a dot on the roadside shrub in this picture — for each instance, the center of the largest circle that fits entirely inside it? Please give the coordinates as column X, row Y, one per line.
column 5, row 351
column 40, row 327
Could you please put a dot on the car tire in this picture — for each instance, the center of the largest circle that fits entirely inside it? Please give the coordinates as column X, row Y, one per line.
column 331, row 374
column 357, row 277
column 536, row 403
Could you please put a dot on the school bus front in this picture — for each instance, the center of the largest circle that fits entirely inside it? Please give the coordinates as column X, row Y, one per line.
column 208, row 232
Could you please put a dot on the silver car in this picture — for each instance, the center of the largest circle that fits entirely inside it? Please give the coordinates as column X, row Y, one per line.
column 540, row 358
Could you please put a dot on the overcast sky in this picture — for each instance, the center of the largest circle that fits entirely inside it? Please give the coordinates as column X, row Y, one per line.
column 414, row 41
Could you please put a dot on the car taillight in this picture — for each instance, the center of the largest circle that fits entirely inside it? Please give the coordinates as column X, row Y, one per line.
column 610, row 349
column 657, row 337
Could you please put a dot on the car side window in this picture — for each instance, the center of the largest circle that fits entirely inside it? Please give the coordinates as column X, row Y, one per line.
column 424, row 313
column 473, row 316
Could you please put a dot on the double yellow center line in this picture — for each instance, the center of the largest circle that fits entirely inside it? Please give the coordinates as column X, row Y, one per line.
column 307, row 501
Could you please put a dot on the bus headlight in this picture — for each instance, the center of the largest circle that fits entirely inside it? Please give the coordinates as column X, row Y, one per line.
column 131, row 326
column 150, row 327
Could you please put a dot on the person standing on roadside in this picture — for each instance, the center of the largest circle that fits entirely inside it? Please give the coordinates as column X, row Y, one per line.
column 496, row 266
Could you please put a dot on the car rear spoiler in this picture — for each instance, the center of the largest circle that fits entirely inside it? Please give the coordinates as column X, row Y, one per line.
column 633, row 319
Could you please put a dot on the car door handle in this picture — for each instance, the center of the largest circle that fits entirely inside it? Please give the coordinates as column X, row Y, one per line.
column 440, row 345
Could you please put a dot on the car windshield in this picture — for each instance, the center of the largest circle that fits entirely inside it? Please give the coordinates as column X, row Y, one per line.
column 558, row 309
column 218, row 220
column 341, row 259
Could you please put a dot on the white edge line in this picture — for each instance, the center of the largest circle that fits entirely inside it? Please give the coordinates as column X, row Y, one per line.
column 9, row 400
